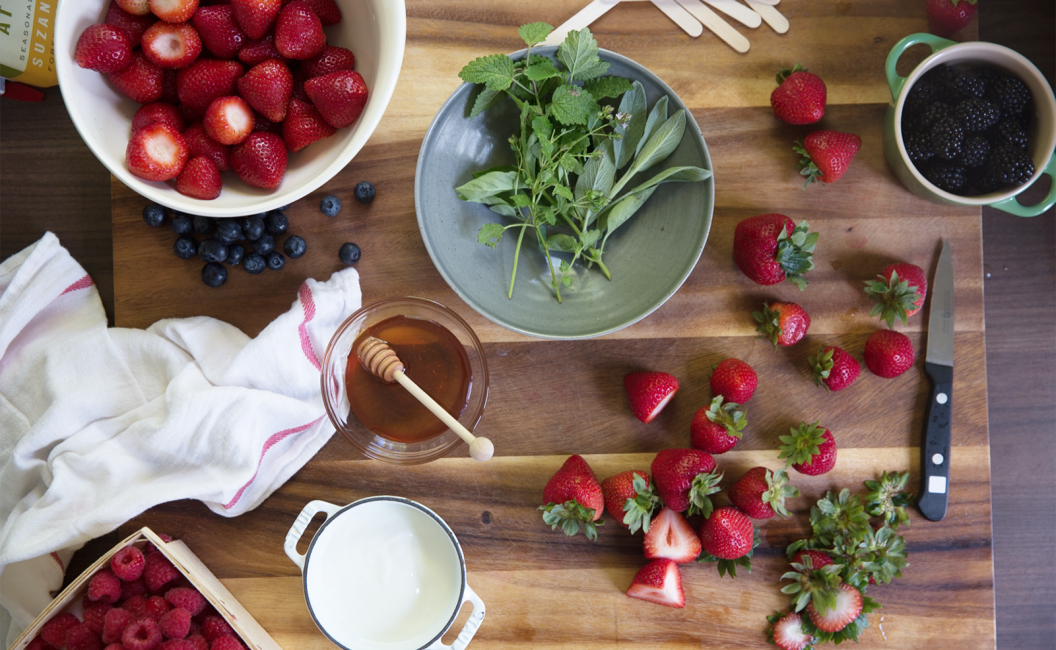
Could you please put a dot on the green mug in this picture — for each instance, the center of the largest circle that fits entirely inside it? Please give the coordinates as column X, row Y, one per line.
column 1042, row 131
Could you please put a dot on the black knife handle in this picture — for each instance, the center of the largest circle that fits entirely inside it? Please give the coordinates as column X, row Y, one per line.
column 935, row 463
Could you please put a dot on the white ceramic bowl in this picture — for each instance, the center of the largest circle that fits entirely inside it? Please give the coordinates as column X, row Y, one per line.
column 375, row 31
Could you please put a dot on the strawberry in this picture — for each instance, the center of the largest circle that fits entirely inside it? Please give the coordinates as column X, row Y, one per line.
column 728, row 536
column 200, row 144
column 734, row 380
column 219, row 31
column 200, row 179
column 331, row 59
column 847, row 608
column 788, row 633
column 265, row 125
column 684, row 478
column 298, row 32
column 761, row 494
column 716, row 429
column 135, row 7
column 799, row 97
column 267, row 88
column 170, row 94
column 327, row 10
column 649, row 393
column 899, row 291
column 784, row 323
column 228, row 120
column 817, row 559
column 172, row 46
column 157, row 152
column 947, row 17
column 103, row 48
column 834, row 368
column 573, row 498
column 204, row 81
column 141, row 81
column 133, row 25
column 810, row 449
column 339, row 96
column 174, row 11
column 303, row 125
column 299, row 77
column 259, row 51
column 629, row 499
column 769, row 248
column 826, row 155
column 888, row 353
column 256, row 16
column 659, row 582
column 157, row 112
column 671, row 538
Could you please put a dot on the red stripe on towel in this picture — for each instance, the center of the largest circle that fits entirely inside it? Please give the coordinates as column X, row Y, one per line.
column 55, row 556
column 275, row 439
column 305, row 296
column 83, row 283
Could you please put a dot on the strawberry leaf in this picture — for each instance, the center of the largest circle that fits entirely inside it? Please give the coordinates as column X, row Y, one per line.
column 803, row 443
column 703, row 485
column 570, row 516
column 894, row 298
column 769, row 325
column 795, row 253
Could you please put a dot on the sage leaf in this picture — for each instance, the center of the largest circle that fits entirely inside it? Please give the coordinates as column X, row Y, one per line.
column 598, row 174
column 487, row 185
column 657, row 116
column 561, row 242
column 490, row 234
column 494, row 71
column 633, row 105
column 504, row 209
column 623, row 210
column 535, row 33
column 661, row 143
column 673, row 175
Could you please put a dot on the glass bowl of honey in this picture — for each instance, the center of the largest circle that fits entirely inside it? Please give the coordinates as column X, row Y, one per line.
column 441, row 354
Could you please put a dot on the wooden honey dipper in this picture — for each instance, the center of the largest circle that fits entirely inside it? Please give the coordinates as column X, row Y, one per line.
column 383, row 362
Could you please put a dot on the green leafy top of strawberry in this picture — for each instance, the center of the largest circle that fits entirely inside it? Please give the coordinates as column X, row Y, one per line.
column 888, row 498
column 703, row 485
column 849, row 633
column 894, row 298
column 778, row 490
column 822, row 364
column 730, row 566
column 570, row 515
column 795, row 253
column 955, row 2
column 785, row 74
column 639, row 510
column 839, row 516
column 769, row 325
column 812, row 585
column 803, row 443
column 727, row 416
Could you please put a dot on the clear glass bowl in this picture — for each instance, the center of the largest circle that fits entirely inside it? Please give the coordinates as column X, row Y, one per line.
column 335, row 397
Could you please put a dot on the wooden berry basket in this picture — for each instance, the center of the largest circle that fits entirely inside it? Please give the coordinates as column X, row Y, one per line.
column 188, row 564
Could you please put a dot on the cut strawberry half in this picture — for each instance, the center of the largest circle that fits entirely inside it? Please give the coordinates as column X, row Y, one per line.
column 142, row 81
column 157, row 152
column 173, row 11
column 103, row 48
column 204, row 81
column 304, row 125
column 200, row 179
column 267, row 88
column 847, row 607
column 200, row 144
column 133, row 25
column 260, row 160
column 788, row 633
column 259, row 51
column 228, row 120
column 671, row 537
column 219, row 31
column 648, row 392
column 659, row 582
column 157, row 112
column 331, row 59
column 172, row 46
column 299, row 32
column 256, row 16
column 135, row 7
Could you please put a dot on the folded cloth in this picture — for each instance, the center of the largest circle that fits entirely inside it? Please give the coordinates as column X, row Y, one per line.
column 99, row 424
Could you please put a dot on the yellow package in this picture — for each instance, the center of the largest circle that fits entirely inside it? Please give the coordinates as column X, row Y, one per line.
column 27, row 50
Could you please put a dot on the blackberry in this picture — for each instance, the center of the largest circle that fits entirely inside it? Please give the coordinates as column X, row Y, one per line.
column 1011, row 94
column 294, row 246
column 204, row 225
column 181, row 224
column 983, row 181
column 933, row 113
column 214, row 275
column 974, row 152
column 922, row 94
column 968, row 84
column 1009, row 132
column 230, row 230
column 254, row 263
column 275, row 260
column 330, row 205
column 185, row 247
column 212, row 250
column 918, row 146
column 349, row 253
column 235, row 253
column 253, row 227
column 264, row 245
column 275, row 222
column 1009, row 166
column 153, row 215
column 946, row 176
column 977, row 114
column 947, row 138
column 942, row 77
column 364, row 192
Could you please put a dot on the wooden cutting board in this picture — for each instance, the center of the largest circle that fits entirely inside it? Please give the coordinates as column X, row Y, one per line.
column 551, row 399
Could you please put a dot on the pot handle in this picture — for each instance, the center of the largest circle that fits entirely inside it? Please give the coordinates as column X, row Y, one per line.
column 300, row 524
column 1012, row 205
column 471, row 626
column 893, row 80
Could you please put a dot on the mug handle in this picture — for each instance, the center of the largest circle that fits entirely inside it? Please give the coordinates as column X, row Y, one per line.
column 471, row 626
column 1012, row 206
column 893, row 80
column 300, row 524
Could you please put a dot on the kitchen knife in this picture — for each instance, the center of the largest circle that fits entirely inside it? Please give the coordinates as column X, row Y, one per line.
column 935, row 464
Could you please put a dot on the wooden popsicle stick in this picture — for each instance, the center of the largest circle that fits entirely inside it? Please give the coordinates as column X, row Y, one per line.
column 716, row 24
column 769, row 2
column 738, row 12
column 581, row 19
column 681, row 17
column 772, row 16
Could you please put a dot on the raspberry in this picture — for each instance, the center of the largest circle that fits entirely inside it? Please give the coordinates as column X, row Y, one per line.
column 136, row 605
column 114, row 646
column 198, row 642
column 38, row 643
column 214, row 627
column 134, row 588
column 80, row 637
column 158, row 572
column 226, row 643
column 150, row 548
column 188, row 599
column 104, row 587
column 95, row 614
column 128, row 563
column 156, row 607
column 175, row 624
column 54, row 631
column 195, row 628
column 114, row 624
column 177, row 644
column 141, row 635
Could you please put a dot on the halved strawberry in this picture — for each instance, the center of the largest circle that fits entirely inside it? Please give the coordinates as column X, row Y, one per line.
column 157, row 152
column 200, row 144
column 648, row 392
column 157, row 112
column 172, row 46
column 135, row 7
column 267, row 88
column 133, row 25
column 228, row 120
column 299, row 32
column 789, row 635
column 141, row 81
column 259, row 50
column 219, row 31
column 331, row 59
column 671, row 537
column 256, row 16
column 303, row 126
column 659, row 582
column 173, row 11
column 848, row 607
column 200, row 179
column 260, row 160
column 103, row 48
column 327, row 10
column 204, row 81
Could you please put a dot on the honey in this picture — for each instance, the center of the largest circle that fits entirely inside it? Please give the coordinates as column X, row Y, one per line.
column 433, row 358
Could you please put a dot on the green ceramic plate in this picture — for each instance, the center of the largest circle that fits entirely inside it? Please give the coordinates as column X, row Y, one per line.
column 649, row 257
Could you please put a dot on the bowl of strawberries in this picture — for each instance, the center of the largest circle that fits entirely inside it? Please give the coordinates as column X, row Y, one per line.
column 227, row 109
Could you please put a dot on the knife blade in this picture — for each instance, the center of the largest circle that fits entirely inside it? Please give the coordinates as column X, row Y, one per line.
column 935, row 447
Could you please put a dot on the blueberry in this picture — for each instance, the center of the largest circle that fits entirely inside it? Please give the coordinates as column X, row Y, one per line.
column 349, row 253
column 214, row 275
column 275, row 260
column 254, row 263
column 204, row 225
column 276, row 223
column 212, row 250
column 229, row 229
column 253, row 227
column 364, row 192
column 283, row 208
column 235, row 253
column 330, row 205
column 294, row 246
column 181, row 225
column 185, row 247
column 264, row 245
column 154, row 215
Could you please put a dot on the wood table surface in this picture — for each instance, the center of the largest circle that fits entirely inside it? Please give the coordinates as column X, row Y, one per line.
column 947, row 597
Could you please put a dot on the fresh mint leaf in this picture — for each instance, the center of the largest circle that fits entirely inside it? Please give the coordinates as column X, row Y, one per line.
column 535, row 33
column 571, row 105
column 485, row 100
column 490, row 234
column 494, row 71
column 579, row 53
column 564, row 192
column 603, row 87
column 542, row 127
column 520, row 200
column 542, row 70
column 562, row 243
column 487, row 185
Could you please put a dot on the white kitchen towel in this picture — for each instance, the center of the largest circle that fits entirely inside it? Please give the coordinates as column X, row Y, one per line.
column 98, row 424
